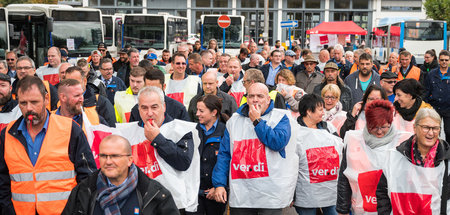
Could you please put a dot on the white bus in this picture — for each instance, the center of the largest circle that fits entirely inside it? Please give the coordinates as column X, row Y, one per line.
column 4, row 33
column 416, row 36
column 36, row 27
column 113, row 33
column 158, row 31
column 234, row 34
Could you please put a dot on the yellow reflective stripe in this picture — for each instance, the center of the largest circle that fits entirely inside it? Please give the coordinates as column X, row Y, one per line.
column 19, row 177
column 45, row 176
column 45, row 197
column 20, row 197
column 273, row 95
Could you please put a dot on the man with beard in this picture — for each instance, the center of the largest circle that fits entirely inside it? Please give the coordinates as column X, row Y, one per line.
column 123, row 60
column 9, row 110
column 360, row 80
column 166, row 57
column 124, row 72
column 70, row 94
column 42, row 155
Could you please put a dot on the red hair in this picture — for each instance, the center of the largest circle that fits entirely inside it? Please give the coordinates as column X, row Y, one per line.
column 378, row 113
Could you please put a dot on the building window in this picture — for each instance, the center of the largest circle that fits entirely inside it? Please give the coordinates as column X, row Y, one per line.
column 261, row 3
column 360, row 4
column 93, row 3
column 220, row 3
column 341, row 4
column 294, row 3
column 400, row 8
column 106, row 2
column 248, row 4
column 138, row 3
column 312, row 4
column 203, row 3
column 123, row 3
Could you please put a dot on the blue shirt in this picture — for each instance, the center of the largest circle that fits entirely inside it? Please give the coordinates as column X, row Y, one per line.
column 211, row 130
column 272, row 74
column 34, row 147
column 365, row 84
column 75, row 118
column 392, row 98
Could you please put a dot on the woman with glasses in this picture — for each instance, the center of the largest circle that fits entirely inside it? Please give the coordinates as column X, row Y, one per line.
column 356, row 119
column 211, row 128
column 285, row 81
column 319, row 150
column 407, row 103
column 415, row 173
column 333, row 107
column 361, row 163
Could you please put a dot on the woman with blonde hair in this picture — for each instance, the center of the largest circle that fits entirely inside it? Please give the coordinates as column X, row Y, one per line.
column 333, row 107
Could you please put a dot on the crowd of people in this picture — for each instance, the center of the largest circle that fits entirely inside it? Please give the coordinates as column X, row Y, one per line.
column 193, row 131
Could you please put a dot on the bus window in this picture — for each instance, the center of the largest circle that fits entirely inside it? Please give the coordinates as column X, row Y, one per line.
column 144, row 32
column 424, row 31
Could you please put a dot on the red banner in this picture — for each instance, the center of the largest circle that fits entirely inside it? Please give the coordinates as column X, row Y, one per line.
column 249, row 160
column 323, row 164
column 177, row 96
column 52, row 79
column 411, row 203
column 98, row 137
column 323, row 39
column 367, row 183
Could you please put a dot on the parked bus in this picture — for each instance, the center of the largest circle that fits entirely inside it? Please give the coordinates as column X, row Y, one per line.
column 416, row 36
column 158, row 31
column 36, row 27
column 4, row 33
column 234, row 34
column 113, row 33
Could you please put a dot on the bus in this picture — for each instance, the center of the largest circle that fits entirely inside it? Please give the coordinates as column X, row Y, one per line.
column 234, row 34
column 416, row 36
column 157, row 31
column 112, row 33
column 37, row 27
column 4, row 33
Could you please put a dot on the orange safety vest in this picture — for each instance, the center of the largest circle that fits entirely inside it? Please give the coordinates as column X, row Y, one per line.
column 414, row 73
column 386, row 68
column 354, row 68
column 45, row 187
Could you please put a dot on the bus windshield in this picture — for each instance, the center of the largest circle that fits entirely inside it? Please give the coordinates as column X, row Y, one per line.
column 3, row 36
column 144, row 32
column 211, row 30
column 107, row 21
column 80, row 31
column 424, row 31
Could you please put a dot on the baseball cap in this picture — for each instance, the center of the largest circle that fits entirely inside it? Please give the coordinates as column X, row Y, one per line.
column 152, row 56
column 387, row 75
column 122, row 51
column 101, row 45
column 290, row 53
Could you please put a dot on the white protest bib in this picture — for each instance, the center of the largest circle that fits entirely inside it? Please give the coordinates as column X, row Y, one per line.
column 320, row 155
column 8, row 117
column 237, row 90
column 48, row 74
column 182, row 90
column 123, row 103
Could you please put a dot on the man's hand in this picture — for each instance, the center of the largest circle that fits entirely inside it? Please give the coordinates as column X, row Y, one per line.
column 220, row 195
column 210, row 193
column 356, row 108
column 254, row 112
column 343, row 60
column 229, row 80
column 151, row 130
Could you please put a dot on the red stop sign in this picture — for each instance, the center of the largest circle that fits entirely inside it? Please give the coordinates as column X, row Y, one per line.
column 224, row 21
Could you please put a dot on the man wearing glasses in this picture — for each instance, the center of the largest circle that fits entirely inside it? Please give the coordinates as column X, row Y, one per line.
column 437, row 88
column 119, row 186
column 11, row 59
column 310, row 77
column 181, row 86
column 387, row 82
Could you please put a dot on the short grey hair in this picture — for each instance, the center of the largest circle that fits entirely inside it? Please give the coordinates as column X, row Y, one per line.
column 339, row 47
column 149, row 90
column 4, row 63
column 27, row 59
column 358, row 52
column 350, row 53
column 427, row 112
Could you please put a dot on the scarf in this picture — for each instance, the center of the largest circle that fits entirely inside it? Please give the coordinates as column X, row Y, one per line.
column 409, row 114
column 416, row 157
column 329, row 115
column 111, row 199
column 375, row 142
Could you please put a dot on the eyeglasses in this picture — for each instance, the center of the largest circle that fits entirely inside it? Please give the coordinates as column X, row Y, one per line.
column 112, row 157
column 383, row 128
column 24, row 68
column 330, row 98
column 9, row 59
column 106, row 69
column 444, row 60
column 180, row 63
column 102, row 50
column 426, row 129
column 390, row 82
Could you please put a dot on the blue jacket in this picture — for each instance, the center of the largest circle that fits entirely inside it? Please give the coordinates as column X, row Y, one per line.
column 437, row 90
column 275, row 139
column 114, row 86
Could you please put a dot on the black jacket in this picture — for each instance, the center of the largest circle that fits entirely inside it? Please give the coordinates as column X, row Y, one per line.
column 224, row 87
column 79, row 151
column 208, row 149
column 229, row 105
column 443, row 154
column 124, row 74
column 173, row 108
column 346, row 95
column 152, row 197
column 103, row 106
column 9, row 106
column 344, row 191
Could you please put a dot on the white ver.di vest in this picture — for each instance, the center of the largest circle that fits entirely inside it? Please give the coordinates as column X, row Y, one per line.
column 182, row 90
column 260, row 177
column 8, row 117
column 237, row 91
column 320, row 155
column 364, row 169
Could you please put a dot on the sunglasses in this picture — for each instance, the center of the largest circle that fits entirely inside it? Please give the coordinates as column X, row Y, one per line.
column 391, row 82
column 180, row 63
column 444, row 60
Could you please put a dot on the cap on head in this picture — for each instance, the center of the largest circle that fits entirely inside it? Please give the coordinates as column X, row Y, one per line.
column 152, row 56
column 122, row 51
column 387, row 75
column 310, row 58
column 331, row 65
column 101, row 45
column 290, row 53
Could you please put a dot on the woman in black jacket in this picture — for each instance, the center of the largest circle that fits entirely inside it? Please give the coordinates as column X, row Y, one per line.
column 430, row 62
column 211, row 128
column 415, row 175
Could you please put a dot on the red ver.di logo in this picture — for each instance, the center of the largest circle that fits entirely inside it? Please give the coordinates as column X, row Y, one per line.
column 411, row 203
column 367, row 183
column 249, row 160
column 144, row 157
column 323, row 164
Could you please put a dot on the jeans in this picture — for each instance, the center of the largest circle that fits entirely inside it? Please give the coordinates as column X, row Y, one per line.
column 330, row 210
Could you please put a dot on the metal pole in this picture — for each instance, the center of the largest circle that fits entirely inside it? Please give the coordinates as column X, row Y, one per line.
column 290, row 43
column 223, row 46
column 266, row 20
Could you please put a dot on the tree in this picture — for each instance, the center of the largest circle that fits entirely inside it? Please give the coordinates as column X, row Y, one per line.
column 438, row 9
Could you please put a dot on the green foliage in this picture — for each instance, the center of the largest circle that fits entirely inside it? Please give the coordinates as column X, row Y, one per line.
column 4, row 3
column 438, row 9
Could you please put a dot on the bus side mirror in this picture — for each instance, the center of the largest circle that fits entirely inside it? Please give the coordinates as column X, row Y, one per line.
column 50, row 24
